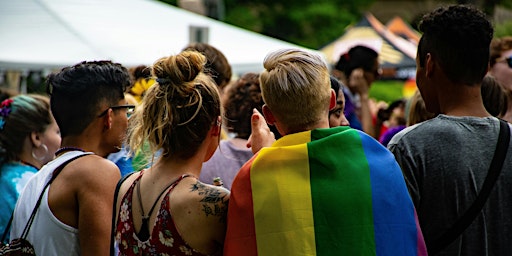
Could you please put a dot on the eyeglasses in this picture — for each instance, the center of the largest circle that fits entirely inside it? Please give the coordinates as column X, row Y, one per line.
column 507, row 60
column 129, row 110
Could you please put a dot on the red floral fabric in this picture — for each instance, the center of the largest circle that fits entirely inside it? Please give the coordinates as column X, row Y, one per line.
column 164, row 239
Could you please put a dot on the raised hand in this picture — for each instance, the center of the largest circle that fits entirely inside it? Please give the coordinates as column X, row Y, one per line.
column 261, row 135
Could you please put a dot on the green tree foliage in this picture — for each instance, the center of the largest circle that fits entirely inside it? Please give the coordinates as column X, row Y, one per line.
column 311, row 24
column 504, row 29
column 171, row 2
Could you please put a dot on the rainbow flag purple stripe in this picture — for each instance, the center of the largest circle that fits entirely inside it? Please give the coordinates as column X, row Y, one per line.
column 323, row 192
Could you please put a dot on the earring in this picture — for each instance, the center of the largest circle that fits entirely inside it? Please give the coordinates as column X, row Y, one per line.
column 40, row 158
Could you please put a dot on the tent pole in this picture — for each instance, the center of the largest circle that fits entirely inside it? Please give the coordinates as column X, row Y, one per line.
column 23, row 81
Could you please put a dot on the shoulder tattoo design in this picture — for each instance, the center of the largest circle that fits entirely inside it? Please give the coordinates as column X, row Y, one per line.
column 213, row 201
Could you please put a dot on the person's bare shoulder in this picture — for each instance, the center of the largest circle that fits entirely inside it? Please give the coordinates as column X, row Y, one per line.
column 94, row 179
column 201, row 208
column 93, row 172
column 207, row 202
column 127, row 182
column 213, row 200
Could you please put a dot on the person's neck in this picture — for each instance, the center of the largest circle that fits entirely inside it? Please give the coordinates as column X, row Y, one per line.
column 508, row 116
column 30, row 161
column 323, row 123
column 167, row 168
column 464, row 101
column 78, row 143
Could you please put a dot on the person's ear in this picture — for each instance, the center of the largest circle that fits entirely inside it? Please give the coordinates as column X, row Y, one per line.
column 35, row 139
column 429, row 65
column 269, row 117
column 217, row 127
column 107, row 119
column 332, row 104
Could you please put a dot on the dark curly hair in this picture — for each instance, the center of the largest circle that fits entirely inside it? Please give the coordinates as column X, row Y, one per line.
column 77, row 92
column 242, row 97
column 458, row 38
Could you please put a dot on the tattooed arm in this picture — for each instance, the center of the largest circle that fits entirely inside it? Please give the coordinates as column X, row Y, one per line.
column 214, row 201
column 200, row 215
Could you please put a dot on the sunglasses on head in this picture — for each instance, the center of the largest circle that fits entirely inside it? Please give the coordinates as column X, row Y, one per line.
column 507, row 60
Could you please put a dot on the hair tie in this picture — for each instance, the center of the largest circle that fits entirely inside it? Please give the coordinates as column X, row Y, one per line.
column 197, row 110
column 346, row 56
column 5, row 110
column 163, row 80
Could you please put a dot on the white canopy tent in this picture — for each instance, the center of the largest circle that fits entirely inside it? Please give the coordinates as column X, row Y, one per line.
column 45, row 34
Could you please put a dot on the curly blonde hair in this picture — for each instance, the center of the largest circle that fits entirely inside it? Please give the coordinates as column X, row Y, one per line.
column 178, row 111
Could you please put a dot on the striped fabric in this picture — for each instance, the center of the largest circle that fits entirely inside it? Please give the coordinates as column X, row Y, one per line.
column 323, row 192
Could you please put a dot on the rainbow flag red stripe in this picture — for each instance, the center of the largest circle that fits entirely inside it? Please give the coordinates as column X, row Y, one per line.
column 322, row 192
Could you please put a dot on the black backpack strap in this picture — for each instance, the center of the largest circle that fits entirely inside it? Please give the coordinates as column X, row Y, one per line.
column 31, row 219
column 492, row 175
column 114, row 213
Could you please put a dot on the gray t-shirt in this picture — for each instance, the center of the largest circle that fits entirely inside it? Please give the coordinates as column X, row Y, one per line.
column 445, row 161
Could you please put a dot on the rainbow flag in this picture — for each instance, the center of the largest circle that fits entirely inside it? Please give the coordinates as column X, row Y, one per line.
column 330, row 191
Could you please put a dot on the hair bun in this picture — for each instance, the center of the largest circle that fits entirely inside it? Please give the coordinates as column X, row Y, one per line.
column 179, row 69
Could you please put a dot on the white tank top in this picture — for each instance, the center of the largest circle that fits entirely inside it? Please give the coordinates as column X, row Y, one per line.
column 48, row 235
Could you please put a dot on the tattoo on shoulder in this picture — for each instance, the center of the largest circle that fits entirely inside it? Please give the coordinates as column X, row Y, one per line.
column 214, row 202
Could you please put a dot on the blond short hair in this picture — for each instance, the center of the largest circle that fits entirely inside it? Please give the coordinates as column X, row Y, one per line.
column 296, row 88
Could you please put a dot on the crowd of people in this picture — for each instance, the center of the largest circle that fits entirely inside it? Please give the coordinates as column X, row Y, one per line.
column 178, row 158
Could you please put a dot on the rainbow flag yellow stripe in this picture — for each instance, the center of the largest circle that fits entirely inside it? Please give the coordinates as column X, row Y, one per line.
column 323, row 192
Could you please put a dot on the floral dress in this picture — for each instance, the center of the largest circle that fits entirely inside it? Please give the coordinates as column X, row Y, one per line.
column 164, row 239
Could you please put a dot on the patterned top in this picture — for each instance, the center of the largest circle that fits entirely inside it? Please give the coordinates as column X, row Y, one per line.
column 164, row 239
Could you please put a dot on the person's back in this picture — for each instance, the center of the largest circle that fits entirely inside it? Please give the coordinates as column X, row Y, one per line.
column 88, row 104
column 445, row 160
column 165, row 208
column 451, row 158
column 48, row 234
column 317, row 190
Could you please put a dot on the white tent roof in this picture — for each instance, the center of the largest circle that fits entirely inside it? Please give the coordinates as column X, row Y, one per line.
column 38, row 34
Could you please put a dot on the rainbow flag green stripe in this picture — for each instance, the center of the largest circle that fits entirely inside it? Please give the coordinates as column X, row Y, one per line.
column 324, row 192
